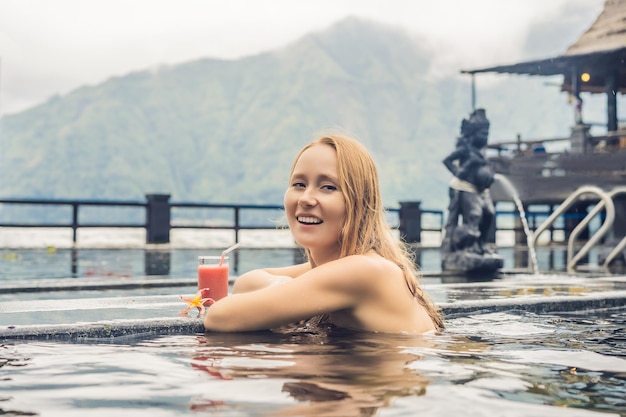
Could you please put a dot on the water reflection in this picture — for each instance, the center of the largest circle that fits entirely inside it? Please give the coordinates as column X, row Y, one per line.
column 157, row 262
column 26, row 264
column 328, row 373
column 566, row 365
column 20, row 264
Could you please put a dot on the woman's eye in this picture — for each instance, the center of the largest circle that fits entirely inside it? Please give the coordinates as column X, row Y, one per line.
column 298, row 184
column 329, row 187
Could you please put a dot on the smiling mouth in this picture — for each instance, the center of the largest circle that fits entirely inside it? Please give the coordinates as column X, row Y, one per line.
column 309, row 220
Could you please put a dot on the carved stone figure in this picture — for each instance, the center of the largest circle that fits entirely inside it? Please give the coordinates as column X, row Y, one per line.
column 471, row 215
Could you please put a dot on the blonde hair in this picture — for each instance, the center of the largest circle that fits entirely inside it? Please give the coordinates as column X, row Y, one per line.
column 365, row 227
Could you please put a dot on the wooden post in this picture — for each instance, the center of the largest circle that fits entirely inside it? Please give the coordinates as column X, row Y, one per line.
column 74, row 221
column 619, row 225
column 411, row 221
column 611, row 101
column 158, row 218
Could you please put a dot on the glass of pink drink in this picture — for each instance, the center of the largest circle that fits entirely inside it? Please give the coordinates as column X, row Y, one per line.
column 213, row 276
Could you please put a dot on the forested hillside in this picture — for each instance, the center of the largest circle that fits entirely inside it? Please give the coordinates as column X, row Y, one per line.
column 226, row 131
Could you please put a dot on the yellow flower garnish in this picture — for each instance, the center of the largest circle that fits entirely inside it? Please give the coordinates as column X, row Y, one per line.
column 197, row 301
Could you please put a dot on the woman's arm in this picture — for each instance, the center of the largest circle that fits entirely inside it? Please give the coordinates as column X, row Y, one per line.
column 261, row 278
column 330, row 287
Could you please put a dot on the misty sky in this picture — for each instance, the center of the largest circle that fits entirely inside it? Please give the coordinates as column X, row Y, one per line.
column 50, row 47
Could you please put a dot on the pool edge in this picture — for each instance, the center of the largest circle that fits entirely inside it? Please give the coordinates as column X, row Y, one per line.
column 117, row 329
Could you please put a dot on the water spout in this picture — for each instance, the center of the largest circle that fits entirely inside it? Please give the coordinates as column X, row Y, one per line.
column 510, row 188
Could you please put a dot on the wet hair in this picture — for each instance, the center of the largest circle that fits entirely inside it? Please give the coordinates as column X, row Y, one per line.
column 365, row 227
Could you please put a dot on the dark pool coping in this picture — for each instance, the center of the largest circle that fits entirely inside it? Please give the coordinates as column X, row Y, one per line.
column 539, row 305
column 102, row 330
column 110, row 283
column 118, row 330
column 95, row 284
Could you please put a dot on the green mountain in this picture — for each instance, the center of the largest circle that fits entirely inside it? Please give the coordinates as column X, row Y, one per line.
column 221, row 131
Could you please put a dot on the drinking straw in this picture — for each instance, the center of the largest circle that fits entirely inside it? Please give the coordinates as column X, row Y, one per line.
column 227, row 251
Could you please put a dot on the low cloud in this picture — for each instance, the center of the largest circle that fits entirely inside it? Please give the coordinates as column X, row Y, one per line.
column 69, row 43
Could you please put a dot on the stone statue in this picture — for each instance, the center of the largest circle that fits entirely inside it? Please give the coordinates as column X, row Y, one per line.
column 471, row 215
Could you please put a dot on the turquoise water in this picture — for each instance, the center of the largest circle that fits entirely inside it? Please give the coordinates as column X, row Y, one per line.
column 513, row 364
column 34, row 264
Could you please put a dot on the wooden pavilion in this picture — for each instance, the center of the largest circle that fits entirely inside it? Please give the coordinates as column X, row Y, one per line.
column 595, row 64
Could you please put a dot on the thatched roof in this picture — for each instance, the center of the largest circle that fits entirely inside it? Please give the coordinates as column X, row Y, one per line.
column 600, row 51
column 607, row 33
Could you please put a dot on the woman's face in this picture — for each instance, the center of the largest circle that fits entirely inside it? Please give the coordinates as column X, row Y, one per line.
column 314, row 203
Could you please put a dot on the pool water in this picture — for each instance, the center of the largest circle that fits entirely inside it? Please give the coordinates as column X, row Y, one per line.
column 508, row 362
column 497, row 364
column 27, row 265
column 35, row 264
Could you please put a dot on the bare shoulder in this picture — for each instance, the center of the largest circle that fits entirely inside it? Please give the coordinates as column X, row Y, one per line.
column 292, row 271
column 361, row 271
column 370, row 264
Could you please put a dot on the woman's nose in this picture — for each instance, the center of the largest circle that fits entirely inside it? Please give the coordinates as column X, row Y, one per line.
column 307, row 199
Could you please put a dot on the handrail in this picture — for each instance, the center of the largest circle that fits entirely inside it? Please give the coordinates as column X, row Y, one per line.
column 622, row 244
column 572, row 260
column 608, row 222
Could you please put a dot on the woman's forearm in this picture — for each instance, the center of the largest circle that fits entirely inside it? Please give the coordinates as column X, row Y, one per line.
column 256, row 280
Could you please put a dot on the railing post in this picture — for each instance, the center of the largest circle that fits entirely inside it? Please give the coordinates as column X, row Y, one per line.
column 236, row 224
column 74, row 221
column 410, row 221
column 619, row 226
column 158, row 218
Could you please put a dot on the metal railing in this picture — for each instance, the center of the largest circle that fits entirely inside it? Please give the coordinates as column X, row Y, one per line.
column 237, row 210
column 410, row 219
column 158, row 217
column 75, row 205
column 606, row 203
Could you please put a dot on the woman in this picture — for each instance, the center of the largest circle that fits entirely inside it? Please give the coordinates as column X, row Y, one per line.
column 357, row 275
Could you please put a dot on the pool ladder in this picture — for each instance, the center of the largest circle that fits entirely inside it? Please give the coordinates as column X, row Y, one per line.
column 605, row 203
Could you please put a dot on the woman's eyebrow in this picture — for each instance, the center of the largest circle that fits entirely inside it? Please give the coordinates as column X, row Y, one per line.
column 320, row 177
column 330, row 178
